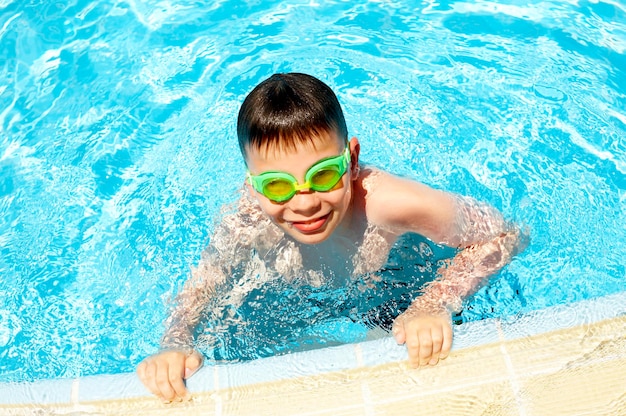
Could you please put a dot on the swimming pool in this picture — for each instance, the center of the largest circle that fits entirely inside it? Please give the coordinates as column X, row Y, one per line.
column 117, row 147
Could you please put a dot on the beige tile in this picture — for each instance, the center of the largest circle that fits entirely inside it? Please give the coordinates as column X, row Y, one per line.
column 474, row 380
column 333, row 393
column 201, row 405
column 470, row 381
column 493, row 399
column 578, row 371
column 598, row 389
column 21, row 410
column 463, row 369
column 552, row 351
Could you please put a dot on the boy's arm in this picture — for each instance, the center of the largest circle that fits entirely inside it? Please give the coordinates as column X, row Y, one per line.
column 487, row 244
column 164, row 373
column 486, row 241
column 191, row 302
column 231, row 245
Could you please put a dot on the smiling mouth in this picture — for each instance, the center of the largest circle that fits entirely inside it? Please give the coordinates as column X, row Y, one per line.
column 310, row 226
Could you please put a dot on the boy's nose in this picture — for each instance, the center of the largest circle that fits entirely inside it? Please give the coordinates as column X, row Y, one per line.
column 304, row 201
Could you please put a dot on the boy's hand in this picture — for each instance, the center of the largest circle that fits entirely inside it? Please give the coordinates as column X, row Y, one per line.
column 428, row 337
column 164, row 373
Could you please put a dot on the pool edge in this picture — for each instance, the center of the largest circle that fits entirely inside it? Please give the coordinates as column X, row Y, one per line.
column 84, row 393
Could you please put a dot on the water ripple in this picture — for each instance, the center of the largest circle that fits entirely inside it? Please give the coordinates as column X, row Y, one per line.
column 117, row 147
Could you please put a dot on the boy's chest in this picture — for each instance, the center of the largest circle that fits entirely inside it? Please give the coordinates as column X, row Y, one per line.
column 345, row 258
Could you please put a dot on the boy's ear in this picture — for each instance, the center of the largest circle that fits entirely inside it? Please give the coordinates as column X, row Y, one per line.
column 355, row 149
column 249, row 187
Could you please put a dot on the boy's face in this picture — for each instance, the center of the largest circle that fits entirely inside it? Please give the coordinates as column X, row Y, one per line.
column 309, row 217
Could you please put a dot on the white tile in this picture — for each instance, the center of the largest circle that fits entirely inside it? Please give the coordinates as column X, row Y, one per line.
column 287, row 366
column 472, row 334
column 38, row 392
column 110, row 387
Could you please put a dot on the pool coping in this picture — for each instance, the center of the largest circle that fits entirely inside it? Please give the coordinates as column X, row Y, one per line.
column 308, row 363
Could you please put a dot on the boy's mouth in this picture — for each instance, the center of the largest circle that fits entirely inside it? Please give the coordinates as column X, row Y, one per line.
column 310, row 226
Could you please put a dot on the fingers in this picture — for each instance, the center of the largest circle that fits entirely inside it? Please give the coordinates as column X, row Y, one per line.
column 421, row 347
column 170, row 381
column 437, row 344
column 163, row 373
column 193, row 364
column 413, row 346
column 447, row 341
column 428, row 342
column 147, row 374
column 398, row 331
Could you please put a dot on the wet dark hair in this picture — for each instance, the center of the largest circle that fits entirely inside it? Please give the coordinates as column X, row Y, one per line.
column 286, row 110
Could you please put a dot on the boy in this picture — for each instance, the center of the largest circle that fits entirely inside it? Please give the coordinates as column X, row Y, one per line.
column 312, row 213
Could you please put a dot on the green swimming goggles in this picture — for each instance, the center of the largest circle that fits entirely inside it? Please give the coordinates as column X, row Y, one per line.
column 321, row 177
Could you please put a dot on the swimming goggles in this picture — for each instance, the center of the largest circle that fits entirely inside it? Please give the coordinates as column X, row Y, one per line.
column 321, row 177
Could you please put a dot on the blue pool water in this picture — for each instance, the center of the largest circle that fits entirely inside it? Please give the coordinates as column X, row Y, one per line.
column 117, row 150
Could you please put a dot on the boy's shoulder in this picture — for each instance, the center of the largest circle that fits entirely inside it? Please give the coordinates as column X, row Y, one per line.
column 381, row 187
column 402, row 204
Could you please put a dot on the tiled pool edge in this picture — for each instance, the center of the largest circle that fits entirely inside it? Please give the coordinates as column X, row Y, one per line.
column 333, row 359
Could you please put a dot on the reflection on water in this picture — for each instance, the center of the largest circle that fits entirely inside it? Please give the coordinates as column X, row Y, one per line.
column 117, row 149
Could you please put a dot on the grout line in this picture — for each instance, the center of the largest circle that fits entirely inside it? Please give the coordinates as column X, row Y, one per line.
column 218, row 398
column 513, row 379
column 358, row 352
column 368, row 404
column 366, row 393
column 74, row 391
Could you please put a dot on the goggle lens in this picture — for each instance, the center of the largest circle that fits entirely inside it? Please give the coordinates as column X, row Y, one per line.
column 325, row 180
column 321, row 177
column 278, row 189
